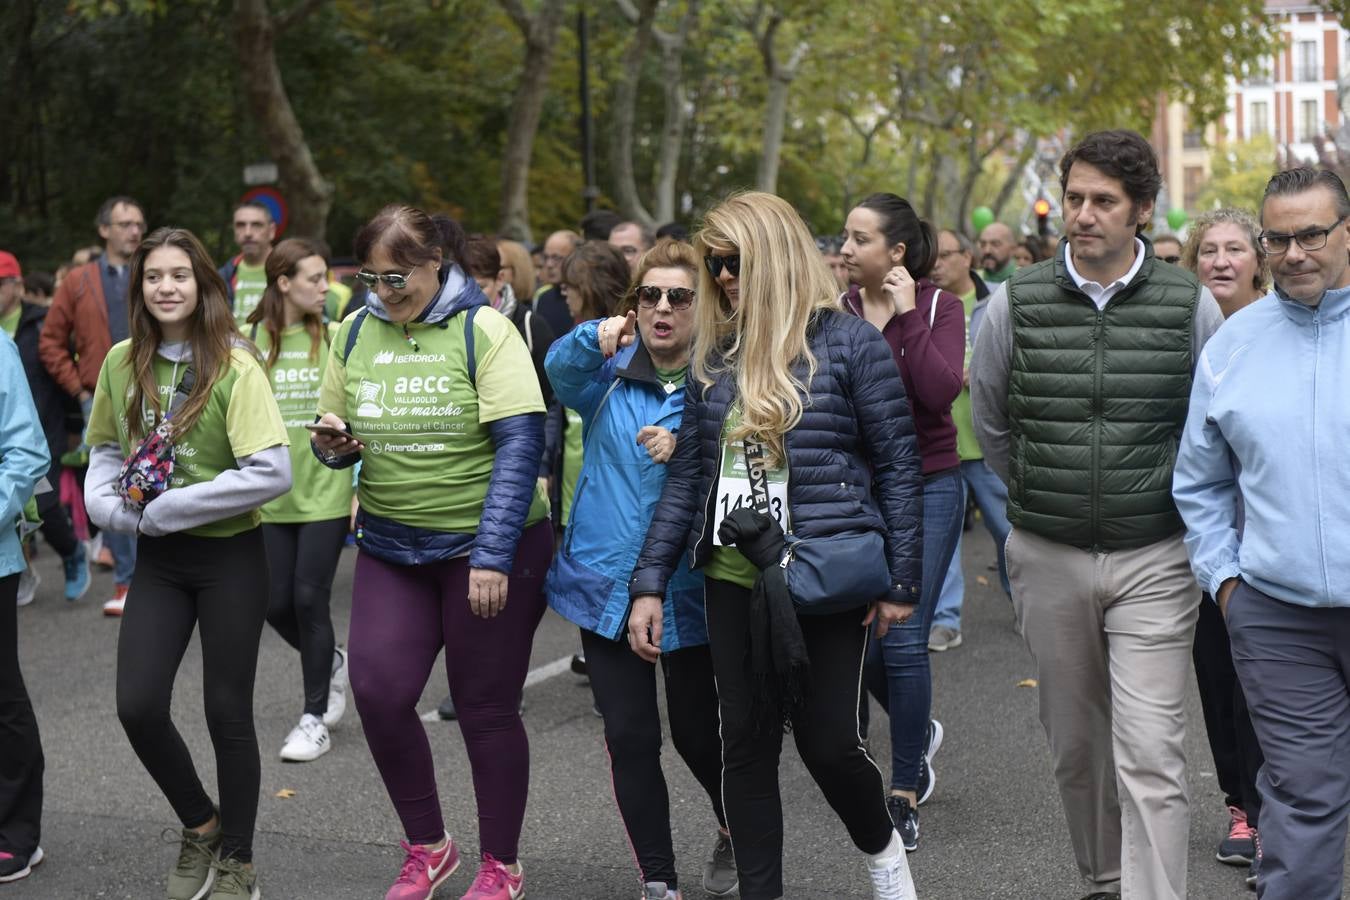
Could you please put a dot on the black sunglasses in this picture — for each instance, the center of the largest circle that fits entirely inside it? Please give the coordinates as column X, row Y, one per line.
column 649, row 295
column 715, row 265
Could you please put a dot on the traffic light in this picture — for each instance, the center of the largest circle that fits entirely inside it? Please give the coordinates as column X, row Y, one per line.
column 1042, row 210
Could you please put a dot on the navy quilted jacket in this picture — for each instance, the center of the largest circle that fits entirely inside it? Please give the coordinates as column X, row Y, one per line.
column 853, row 461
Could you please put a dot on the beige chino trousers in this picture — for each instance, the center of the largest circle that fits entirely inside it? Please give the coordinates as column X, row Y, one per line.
column 1111, row 634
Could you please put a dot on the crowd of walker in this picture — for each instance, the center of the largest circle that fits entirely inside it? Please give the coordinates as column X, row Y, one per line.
column 1151, row 434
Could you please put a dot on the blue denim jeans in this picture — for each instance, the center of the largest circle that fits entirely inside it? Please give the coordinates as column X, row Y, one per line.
column 123, row 549
column 897, row 665
column 991, row 498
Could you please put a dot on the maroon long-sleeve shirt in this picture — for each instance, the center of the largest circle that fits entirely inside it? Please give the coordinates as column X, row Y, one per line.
column 931, row 359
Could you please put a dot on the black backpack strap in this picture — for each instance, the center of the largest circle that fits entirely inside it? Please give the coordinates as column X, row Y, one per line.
column 468, row 345
column 183, row 391
column 253, row 333
column 353, row 332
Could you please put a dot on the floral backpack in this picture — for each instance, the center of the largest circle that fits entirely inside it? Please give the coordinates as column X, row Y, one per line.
column 146, row 472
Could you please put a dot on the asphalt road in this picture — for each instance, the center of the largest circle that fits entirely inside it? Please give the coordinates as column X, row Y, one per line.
column 326, row 830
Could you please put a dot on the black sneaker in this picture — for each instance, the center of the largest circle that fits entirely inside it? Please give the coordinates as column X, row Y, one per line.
column 446, row 711
column 1255, row 868
column 906, row 819
column 579, row 665
column 927, row 777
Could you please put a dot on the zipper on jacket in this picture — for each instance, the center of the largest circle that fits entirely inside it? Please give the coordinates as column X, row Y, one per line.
column 1317, row 463
column 1099, row 428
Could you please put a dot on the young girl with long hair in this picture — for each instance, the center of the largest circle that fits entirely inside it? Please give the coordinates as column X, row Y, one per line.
column 304, row 530
column 791, row 398
column 201, row 561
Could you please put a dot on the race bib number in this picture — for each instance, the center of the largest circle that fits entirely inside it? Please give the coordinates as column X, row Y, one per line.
column 746, row 480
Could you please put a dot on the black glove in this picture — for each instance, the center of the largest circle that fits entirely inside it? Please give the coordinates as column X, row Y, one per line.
column 757, row 536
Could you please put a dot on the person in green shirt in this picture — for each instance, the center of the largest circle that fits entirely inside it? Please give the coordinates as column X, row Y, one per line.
column 305, row 529
column 434, row 391
column 200, row 557
column 996, row 253
column 246, row 275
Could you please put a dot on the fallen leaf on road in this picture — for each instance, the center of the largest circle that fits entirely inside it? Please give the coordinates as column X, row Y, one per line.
column 1028, row 682
column 285, row 793
column 981, row 581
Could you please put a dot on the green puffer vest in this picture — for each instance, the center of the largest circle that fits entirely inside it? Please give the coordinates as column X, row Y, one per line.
column 1096, row 404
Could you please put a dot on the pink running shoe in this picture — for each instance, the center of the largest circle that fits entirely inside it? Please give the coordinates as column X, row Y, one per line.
column 423, row 870
column 495, row 882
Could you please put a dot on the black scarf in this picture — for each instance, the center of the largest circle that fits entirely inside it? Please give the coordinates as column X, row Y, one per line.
column 779, row 667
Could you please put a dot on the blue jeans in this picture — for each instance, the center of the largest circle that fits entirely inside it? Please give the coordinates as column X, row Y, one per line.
column 991, row 498
column 897, row 665
column 123, row 549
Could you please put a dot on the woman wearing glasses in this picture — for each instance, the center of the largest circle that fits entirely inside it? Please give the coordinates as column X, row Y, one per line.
column 1224, row 250
column 780, row 377
column 625, row 376
column 434, row 391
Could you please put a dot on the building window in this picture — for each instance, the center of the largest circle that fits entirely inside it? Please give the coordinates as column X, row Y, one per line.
column 1194, row 179
column 1308, row 121
column 1305, row 62
column 1259, row 120
column 1258, row 72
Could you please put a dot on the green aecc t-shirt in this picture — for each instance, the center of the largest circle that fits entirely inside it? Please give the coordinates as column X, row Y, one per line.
column 317, row 493
column 428, row 451
column 240, row 419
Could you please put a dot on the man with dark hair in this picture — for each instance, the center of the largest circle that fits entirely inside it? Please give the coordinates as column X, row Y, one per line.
column 246, row 275
column 673, row 230
column 598, row 223
column 632, row 239
column 954, row 272
column 1080, row 381
column 1260, row 481
column 89, row 314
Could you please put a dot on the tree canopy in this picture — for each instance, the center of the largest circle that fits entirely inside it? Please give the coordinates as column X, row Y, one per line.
column 471, row 106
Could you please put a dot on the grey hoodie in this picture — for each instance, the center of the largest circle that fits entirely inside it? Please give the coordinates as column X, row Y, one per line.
column 261, row 477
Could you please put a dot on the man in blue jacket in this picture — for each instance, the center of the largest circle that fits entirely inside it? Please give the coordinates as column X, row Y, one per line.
column 1266, row 429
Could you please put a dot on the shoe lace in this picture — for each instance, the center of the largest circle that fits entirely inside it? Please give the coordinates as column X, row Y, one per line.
column 419, row 858
column 491, row 875
column 232, row 878
column 889, row 881
column 1239, row 828
column 189, row 851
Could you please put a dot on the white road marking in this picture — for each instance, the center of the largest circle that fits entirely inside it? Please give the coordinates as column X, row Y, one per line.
column 543, row 673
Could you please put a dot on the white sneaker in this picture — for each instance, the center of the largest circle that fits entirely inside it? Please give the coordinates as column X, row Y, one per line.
column 337, row 689
column 115, row 604
column 29, row 580
column 307, row 741
column 889, row 871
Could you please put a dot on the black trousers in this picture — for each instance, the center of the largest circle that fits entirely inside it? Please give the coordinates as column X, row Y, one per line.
column 625, row 692
column 218, row 585
column 302, row 558
column 21, row 760
column 826, row 734
column 56, row 525
column 1232, row 739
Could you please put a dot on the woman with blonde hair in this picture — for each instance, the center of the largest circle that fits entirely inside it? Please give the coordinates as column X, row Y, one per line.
column 517, row 269
column 796, row 453
column 1224, row 251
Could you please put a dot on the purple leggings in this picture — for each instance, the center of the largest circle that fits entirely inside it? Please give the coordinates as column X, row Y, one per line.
column 401, row 617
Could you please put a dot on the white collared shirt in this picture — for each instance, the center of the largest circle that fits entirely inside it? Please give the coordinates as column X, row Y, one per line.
column 1102, row 295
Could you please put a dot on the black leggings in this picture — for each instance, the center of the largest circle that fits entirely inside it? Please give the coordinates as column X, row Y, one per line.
column 826, row 733
column 219, row 585
column 625, row 692
column 1232, row 739
column 302, row 557
column 21, row 762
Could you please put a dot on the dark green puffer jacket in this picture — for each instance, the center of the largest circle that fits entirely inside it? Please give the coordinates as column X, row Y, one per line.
column 1096, row 401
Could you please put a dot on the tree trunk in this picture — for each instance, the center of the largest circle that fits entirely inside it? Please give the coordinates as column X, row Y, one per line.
column 625, row 113
column 1015, row 176
column 541, row 39
column 307, row 193
column 780, row 76
column 676, row 116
